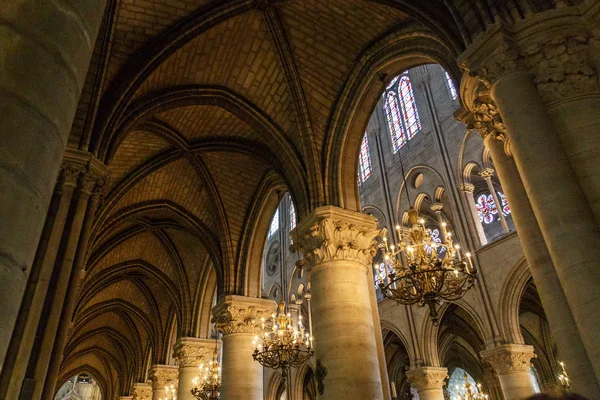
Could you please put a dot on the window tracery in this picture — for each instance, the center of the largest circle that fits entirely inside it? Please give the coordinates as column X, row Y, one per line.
column 401, row 111
column 274, row 224
column 451, row 87
column 364, row 166
column 486, row 207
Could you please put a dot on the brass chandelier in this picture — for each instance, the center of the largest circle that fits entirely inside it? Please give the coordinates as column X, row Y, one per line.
column 468, row 391
column 415, row 272
column 207, row 386
column 282, row 345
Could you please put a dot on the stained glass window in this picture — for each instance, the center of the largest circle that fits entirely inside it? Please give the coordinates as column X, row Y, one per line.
column 292, row 215
column 434, row 233
column 409, row 108
column 451, row 86
column 365, row 160
column 274, row 224
column 392, row 111
column 486, row 207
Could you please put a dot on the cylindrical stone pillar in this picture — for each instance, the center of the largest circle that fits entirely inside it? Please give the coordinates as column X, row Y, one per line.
column 487, row 174
column 564, row 215
column 43, row 71
column 468, row 189
column 562, row 325
column 511, row 363
column 429, row 382
column 162, row 375
column 338, row 246
column 238, row 318
column 190, row 353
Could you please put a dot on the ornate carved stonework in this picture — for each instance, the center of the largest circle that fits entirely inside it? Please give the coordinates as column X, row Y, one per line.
column 486, row 118
column 561, row 66
column 191, row 352
column 427, row 378
column 336, row 234
column 437, row 207
column 238, row 314
column 70, row 172
column 487, row 173
column 467, row 188
column 509, row 358
column 141, row 391
column 163, row 375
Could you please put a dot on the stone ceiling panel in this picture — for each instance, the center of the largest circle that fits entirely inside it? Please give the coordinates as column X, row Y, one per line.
column 193, row 255
column 238, row 54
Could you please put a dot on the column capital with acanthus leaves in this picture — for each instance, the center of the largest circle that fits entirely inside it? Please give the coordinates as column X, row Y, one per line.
column 240, row 314
column 332, row 233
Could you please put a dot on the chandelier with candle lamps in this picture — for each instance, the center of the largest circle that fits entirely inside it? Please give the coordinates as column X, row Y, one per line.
column 282, row 344
column 563, row 378
column 207, row 386
column 469, row 391
column 416, row 273
column 170, row 393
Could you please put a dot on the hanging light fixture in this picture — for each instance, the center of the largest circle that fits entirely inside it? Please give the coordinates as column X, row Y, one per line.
column 207, row 386
column 563, row 378
column 282, row 343
column 414, row 270
column 170, row 393
column 468, row 391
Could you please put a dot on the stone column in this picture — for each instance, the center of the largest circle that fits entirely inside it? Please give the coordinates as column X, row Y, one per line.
column 529, row 74
column 77, row 273
column 161, row 376
column 437, row 208
column 238, row 318
column 21, row 343
column 429, row 382
column 141, row 391
column 338, row 246
column 46, row 49
column 511, row 363
column 468, row 189
column 560, row 318
column 190, row 353
column 487, row 174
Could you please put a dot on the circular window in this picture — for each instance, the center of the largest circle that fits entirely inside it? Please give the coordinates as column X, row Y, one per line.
column 418, row 181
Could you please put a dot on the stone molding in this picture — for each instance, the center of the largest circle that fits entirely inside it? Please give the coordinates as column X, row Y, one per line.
column 509, row 358
column 332, row 233
column 240, row 314
column 556, row 51
column 427, row 378
column 141, row 391
column 191, row 352
column 163, row 375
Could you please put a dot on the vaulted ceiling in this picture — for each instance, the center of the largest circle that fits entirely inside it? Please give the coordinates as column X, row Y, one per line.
column 201, row 110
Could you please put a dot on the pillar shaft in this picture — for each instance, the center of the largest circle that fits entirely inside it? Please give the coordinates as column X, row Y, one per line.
column 339, row 245
column 563, row 213
column 238, row 318
column 511, row 363
column 560, row 317
column 23, row 336
column 43, row 71
column 429, row 382
column 191, row 353
column 468, row 190
column 69, row 304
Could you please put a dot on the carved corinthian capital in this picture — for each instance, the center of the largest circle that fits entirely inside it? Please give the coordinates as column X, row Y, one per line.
column 427, row 378
column 141, row 391
column 191, row 352
column 332, row 233
column 163, row 375
column 509, row 358
column 239, row 314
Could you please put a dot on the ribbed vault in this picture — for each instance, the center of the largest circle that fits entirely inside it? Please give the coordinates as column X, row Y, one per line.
column 202, row 110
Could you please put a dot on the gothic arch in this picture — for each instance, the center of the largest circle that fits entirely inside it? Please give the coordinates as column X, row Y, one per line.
column 510, row 300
